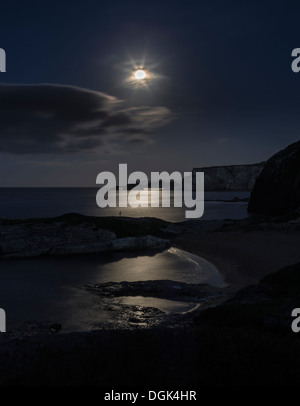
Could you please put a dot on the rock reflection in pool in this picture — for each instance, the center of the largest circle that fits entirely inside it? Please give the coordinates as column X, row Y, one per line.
column 167, row 306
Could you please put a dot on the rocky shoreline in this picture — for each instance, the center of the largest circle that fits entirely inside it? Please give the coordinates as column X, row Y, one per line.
column 72, row 234
column 76, row 234
column 165, row 289
column 179, row 343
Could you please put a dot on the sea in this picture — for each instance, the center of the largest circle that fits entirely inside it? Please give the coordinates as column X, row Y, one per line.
column 22, row 203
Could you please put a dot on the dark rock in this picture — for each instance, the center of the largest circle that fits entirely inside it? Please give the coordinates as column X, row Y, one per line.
column 252, row 294
column 36, row 237
column 277, row 189
column 165, row 289
column 34, row 328
column 280, row 321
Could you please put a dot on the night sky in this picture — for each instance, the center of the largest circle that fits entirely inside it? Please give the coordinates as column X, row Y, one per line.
column 219, row 90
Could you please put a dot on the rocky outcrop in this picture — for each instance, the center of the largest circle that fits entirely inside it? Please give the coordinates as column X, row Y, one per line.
column 277, row 189
column 273, row 299
column 233, row 177
column 58, row 237
column 164, row 289
column 34, row 328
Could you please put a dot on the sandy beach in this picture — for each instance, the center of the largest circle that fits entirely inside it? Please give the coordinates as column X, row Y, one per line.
column 244, row 257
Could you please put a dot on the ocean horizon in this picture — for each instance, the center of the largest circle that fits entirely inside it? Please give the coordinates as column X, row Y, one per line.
column 31, row 202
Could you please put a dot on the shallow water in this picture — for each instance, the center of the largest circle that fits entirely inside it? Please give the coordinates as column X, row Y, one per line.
column 51, row 288
column 166, row 305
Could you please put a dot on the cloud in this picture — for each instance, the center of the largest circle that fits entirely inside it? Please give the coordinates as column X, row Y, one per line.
column 48, row 118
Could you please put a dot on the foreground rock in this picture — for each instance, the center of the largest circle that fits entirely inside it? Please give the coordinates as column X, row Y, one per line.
column 277, row 189
column 71, row 235
column 34, row 328
column 246, row 341
column 165, row 289
column 268, row 304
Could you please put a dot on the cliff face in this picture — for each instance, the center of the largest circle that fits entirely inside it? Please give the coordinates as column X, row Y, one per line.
column 233, row 177
column 277, row 189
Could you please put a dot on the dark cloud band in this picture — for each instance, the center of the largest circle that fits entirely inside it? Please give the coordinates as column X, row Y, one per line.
column 64, row 119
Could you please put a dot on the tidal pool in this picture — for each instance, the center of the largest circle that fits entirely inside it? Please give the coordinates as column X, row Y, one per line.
column 51, row 288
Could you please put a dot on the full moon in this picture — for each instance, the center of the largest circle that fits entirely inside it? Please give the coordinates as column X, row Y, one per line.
column 140, row 74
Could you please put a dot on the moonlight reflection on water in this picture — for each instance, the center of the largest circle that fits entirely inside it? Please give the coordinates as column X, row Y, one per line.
column 51, row 289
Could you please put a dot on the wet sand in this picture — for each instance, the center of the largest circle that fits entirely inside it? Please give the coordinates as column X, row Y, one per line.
column 244, row 257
